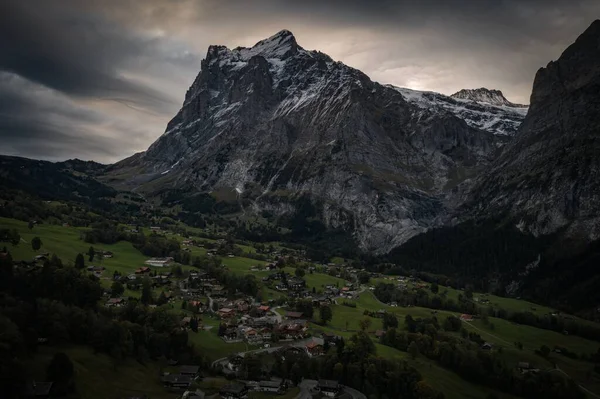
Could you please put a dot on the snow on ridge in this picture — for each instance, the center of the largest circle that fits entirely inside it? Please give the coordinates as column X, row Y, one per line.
column 501, row 119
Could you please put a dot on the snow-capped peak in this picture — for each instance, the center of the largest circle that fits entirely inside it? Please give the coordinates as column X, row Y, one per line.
column 280, row 46
column 483, row 95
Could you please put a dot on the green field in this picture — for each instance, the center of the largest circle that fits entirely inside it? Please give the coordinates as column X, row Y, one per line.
column 209, row 344
column 99, row 376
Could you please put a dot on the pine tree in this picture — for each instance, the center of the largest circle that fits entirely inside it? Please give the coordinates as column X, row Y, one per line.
column 36, row 243
column 91, row 253
column 194, row 324
column 146, row 291
column 79, row 262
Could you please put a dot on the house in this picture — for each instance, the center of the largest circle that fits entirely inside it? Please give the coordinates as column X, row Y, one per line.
column 159, row 262
column 197, row 394
column 294, row 315
column 115, row 302
column 252, row 336
column 177, row 381
column 466, row 317
column 264, row 309
column 296, row 283
column 314, row 349
column 190, row 371
column 234, row 391
column 379, row 333
column 226, row 313
column 330, row 338
column 142, row 270
column 218, row 291
column 487, row 346
column 235, row 362
column 329, row 388
column 278, row 387
column 154, row 229
column 230, row 334
column 185, row 322
column 38, row 389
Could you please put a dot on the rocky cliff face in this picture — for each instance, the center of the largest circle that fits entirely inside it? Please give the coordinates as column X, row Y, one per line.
column 276, row 122
column 548, row 177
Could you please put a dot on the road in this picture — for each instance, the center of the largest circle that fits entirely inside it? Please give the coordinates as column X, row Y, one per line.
column 299, row 344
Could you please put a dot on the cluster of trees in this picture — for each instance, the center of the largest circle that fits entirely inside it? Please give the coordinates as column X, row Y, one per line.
column 246, row 284
column 389, row 293
column 10, row 235
column 464, row 356
column 60, row 305
column 353, row 363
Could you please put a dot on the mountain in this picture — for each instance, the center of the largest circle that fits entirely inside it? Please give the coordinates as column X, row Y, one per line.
column 483, row 95
column 530, row 223
column 484, row 109
column 548, row 177
column 282, row 131
column 72, row 179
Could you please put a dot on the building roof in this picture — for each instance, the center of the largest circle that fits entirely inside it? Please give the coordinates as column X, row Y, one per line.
column 271, row 384
column 312, row 345
column 189, row 369
column 330, row 384
column 226, row 310
column 264, row 308
column 296, row 315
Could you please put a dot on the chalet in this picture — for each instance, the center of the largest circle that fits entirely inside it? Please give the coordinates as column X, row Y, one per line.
column 115, row 302
column 105, row 254
column 294, row 315
column 314, row 349
column 330, row 338
column 38, row 390
column 185, row 322
column 218, row 291
column 190, row 371
column 278, row 387
column 487, row 346
column 466, row 317
column 226, row 313
column 161, row 279
column 379, row 333
column 296, row 283
column 177, row 381
column 234, row 391
column 235, row 362
column 142, row 270
column 197, row 394
column 329, row 388
column 263, row 309
column 242, row 305
column 266, row 334
column 187, row 243
column 230, row 334
column 155, row 229
column 159, row 262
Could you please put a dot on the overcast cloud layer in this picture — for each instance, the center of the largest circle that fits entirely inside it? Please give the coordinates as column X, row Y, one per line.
column 100, row 79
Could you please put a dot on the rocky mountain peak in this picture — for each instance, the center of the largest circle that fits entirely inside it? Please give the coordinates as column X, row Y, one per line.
column 483, row 95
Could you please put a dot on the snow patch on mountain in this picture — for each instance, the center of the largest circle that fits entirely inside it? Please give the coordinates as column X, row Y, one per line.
column 489, row 113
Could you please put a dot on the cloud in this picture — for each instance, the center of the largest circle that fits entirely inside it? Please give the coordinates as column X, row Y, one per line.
column 101, row 78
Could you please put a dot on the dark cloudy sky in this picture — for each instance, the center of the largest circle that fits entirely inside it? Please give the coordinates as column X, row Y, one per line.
column 99, row 79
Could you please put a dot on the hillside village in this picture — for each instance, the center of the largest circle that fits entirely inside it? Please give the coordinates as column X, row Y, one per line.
column 250, row 306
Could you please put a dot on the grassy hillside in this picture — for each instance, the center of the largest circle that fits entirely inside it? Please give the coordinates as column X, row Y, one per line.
column 98, row 376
